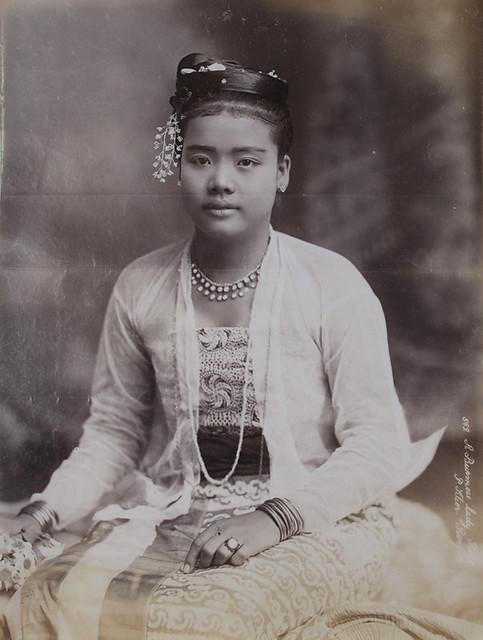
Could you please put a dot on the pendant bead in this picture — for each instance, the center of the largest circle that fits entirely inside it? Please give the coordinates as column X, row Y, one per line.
column 230, row 290
column 221, row 291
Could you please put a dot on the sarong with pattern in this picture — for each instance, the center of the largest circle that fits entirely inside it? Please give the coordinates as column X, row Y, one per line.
column 123, row 580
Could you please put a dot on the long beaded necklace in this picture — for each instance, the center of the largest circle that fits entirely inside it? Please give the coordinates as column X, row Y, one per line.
column 220, row 481
column 219, row 292
column 256, row 273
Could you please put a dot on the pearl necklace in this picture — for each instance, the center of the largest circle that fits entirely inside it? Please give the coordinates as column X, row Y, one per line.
column 220, row 481
column 219, row 292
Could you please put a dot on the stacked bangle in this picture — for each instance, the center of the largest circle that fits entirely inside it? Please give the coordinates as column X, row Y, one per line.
column 45, row 516
column 285, row 515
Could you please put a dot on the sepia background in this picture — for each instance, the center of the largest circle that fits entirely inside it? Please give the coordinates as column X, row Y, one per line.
column 386, row 171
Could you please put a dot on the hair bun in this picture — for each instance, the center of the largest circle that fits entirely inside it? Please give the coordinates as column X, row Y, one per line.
column 193, row 60
column 198, row 74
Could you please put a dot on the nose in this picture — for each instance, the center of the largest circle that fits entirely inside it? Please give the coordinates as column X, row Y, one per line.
column 221, row 181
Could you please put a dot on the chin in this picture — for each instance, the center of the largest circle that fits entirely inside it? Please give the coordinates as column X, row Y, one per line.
column 221, row 229
column 219, row 225
column 229, row 225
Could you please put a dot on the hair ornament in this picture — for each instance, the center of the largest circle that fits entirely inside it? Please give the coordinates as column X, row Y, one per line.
column 197, row 76
column 168, row 139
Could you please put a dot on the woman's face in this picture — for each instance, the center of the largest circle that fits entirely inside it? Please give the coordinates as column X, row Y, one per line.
column 230, row 172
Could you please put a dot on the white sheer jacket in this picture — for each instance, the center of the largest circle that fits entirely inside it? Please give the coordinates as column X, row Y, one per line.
column 335, row 430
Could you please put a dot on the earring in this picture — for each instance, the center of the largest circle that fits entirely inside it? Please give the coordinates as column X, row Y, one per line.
column 178, row 183
column 282, row 189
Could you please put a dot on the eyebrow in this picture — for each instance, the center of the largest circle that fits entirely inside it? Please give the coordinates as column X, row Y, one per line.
column 201, row 147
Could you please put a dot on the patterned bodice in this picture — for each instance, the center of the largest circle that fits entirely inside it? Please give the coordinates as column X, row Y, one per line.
column 223, row 352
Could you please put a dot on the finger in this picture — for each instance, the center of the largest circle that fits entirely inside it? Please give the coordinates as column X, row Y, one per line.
column 28, row 534
column 222, row 555
column 208, row 551
column 196, row 546
column 24, row 526
column 240, row 556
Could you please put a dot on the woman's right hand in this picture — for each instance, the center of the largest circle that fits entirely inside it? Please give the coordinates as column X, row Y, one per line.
column 22, row 524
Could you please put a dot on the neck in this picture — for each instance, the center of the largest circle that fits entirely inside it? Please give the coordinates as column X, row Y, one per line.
column 224, row 259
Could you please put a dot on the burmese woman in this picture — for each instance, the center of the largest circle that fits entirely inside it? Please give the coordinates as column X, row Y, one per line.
column 245, row 442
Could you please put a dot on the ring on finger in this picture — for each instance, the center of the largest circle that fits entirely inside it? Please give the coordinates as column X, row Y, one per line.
column 232, row 544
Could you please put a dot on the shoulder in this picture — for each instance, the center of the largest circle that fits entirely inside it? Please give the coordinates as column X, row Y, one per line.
column 333, row 273
column 333, row 291
column 156, row 267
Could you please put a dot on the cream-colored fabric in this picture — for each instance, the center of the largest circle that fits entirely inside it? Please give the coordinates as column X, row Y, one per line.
column 332, row 420
column 424, row 573
column 377, row 621
column 279, row 589
column 123, row 580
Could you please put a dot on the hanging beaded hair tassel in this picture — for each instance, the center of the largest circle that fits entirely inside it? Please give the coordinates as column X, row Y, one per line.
column 168, row 138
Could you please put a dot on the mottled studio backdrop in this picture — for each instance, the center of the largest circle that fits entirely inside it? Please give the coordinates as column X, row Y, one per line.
column 386, row 170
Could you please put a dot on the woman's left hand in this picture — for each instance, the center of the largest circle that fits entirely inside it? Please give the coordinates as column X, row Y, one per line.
column 254, row 531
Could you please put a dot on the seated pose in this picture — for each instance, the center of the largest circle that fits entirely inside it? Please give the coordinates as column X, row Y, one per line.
column 245, row 442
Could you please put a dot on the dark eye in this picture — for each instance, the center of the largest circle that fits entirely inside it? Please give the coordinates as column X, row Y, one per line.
column 201, row 161
column 247, row 162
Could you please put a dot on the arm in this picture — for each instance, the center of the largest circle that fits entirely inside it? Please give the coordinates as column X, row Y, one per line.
column 369, row 422
column 116, row 431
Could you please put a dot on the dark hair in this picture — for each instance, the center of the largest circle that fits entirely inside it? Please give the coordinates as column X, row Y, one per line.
column 243, row 105
column 206, row 86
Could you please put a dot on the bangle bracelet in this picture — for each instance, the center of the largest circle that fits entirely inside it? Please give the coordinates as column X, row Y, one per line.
column 44, row 515
column 285, row 515
column 277, row 514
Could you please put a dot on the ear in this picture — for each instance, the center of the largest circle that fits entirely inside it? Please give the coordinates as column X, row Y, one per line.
column 283, row 172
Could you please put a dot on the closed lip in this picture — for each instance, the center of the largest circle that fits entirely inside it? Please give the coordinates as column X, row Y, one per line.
column 218, row 206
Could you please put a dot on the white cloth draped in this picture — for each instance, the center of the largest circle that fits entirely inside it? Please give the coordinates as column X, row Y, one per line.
column 335, row 430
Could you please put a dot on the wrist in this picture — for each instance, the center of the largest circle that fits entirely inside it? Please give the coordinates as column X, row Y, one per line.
column 265, row 522
column 45, row 517
column 27, row 521
column 285, row 515
column 28, row 528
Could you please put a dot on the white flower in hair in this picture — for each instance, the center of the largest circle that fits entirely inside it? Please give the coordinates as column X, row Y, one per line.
column 216, row 66
column 186, row 70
